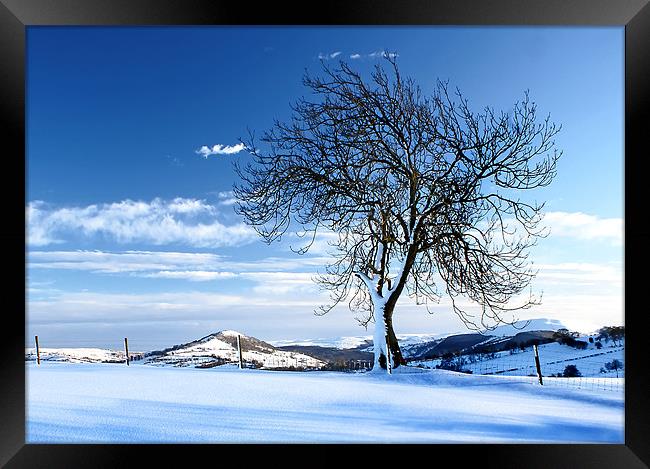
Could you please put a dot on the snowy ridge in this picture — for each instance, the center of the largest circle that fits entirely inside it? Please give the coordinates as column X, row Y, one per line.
column 542, row 324
column 335, row 342
column 554, row 357
column 221, row 347
column 76, row 355
column 353, row 342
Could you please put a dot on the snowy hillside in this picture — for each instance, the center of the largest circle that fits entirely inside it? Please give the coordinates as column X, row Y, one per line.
column 332, row 342
column 354, row 342
column 221, row 347
column 541, row 324
column 554, row 358
column 76, row 355
column 92, row 403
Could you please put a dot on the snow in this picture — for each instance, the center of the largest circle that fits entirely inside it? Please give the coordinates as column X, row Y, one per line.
column 335, row 342
column 87, row 403
column 554, row 357
column 211, row 347
column 540, row 324
column 351, row 342
column 76, row 354
column 231, row 333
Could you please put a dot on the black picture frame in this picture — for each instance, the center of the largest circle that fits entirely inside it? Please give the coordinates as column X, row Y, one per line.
column 634, row 15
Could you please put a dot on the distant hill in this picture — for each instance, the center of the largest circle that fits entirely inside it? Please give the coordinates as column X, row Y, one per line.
column 541, row 324
column 221, row 347
column 423, row 346
column 76, row 355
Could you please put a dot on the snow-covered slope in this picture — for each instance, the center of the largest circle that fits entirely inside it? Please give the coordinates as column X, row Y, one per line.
column 541, row 324
column 333, row 342
column 554, row 358
column 356, row 342
column 76, row 355
column 92, row 403
column 407, row 341
column 221, row 347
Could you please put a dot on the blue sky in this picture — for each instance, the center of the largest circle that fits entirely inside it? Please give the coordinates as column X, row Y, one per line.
column 131, row 232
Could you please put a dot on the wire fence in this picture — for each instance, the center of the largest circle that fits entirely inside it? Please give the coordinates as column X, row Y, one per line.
column 592, row 368
column 560, row 366
column 197, row 356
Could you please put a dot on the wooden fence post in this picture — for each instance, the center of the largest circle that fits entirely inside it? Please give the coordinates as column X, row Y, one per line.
column 126, row 350
column 241, row 362
column 539, row 368
column 38, row 353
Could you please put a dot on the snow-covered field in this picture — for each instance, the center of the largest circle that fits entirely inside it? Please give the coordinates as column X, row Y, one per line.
column 553, row 359
column 76, row 355
column 210, row 347
column 86, row 403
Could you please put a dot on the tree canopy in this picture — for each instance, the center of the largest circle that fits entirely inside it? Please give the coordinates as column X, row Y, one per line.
column 421, row 192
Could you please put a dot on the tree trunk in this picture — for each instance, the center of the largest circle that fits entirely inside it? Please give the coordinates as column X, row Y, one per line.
column 387, row 332
column 393, row 345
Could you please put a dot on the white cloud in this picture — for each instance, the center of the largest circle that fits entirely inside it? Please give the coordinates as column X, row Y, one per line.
column 227, row 198
column 355, row 56
column 585, row 227
column 180, row 221
column 135, row 261
column 192, row 275
column 79, row 307
column 270, row 276
column 321, row 244
column 329, row 56
column 180, row 205
column 218, row 149
column 127, row 261
column 581, row 274
column 282, row 283
column 382, row 53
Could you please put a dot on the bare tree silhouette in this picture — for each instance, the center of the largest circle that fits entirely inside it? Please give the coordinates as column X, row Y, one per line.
column 421, row 191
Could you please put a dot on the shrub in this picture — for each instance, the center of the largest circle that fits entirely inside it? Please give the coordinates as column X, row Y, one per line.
column 571, row 371
column 614, row 365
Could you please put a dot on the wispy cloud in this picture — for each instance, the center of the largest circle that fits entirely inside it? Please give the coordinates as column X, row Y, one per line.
column 382, row 54
column 581, row 274
column 179, row 221
column 585, row 227
column 227, row 198
column 174, row 161
column 218, row 149
column 373, row 55
column 135, row 261
column 122, row 262
column 91, row 307
column 192, row 275
column 329, row 56
column 282, row 283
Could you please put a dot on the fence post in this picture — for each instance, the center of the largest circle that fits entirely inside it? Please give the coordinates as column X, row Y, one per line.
column 38, row 353
column 539, row 368
column 126, row 350
column 388, row 363
column 241, row 364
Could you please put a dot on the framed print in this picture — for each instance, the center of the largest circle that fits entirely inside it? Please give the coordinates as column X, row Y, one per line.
column 376, row 225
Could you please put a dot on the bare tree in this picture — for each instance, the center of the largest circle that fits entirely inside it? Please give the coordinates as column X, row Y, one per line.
column 421, row 191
